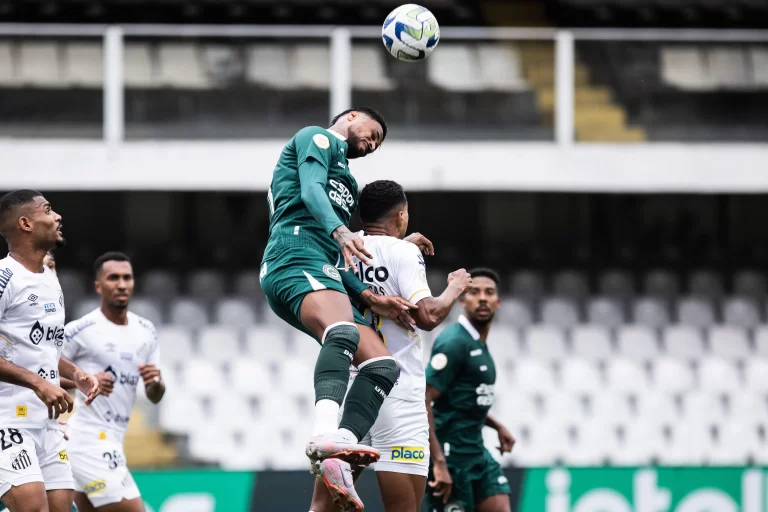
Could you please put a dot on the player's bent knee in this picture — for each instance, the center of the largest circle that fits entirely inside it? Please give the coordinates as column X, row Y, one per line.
column 384, row 370
column 332, row 367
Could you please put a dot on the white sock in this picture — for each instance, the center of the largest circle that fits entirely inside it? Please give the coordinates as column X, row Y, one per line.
column 326, row 417
column 348, row 435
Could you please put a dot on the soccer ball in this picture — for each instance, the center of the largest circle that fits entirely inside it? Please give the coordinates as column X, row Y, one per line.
column 410, row 33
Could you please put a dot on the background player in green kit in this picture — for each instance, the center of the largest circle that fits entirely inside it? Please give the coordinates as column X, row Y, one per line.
column 460, row 389
column 311, row 200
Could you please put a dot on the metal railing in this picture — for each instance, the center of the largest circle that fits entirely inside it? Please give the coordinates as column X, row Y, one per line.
column 340, row 39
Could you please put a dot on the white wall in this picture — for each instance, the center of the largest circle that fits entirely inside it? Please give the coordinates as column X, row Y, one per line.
column 78, row 165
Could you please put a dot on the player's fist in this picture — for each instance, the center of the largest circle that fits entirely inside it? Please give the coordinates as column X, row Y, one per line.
column 88, row 385
column 106, row 383
column 150, row 373
column 460, row 279
column 506, row 441
column 55, row 398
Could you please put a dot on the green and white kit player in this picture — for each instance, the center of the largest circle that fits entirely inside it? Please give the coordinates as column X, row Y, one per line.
column 305, row 279
column 461, row 375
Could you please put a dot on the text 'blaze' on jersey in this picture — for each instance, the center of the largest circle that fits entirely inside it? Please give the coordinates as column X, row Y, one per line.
column 31, row 336
column 462, row 369
column 397, row 268
column 96, row 345
column 291, row 223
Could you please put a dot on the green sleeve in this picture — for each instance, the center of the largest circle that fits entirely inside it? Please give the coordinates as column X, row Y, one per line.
column 352, row 284
column 445, row 362
column 313, row 177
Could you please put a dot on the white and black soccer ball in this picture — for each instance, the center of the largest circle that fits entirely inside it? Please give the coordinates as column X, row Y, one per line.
column 410, row 33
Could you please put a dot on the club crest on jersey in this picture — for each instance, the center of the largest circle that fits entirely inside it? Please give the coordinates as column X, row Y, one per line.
column 61, row 299
column 331, row 272
column 21, row 461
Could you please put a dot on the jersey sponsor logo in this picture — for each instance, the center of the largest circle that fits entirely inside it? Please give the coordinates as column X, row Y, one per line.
column 341, row 195
column 486, row 394
column 50, row 307
column 111, row 417
column 331, row 272
column 476, row 352
column 48, row 374
column 95, row 487
column 341, row 165
column 408, row 454
column 5, row 277
column 371, row 274
column 102, row 436
column 126, row 356
column 111, row 372
column 321, row 141
column 52, row 334
column 36, row 334
column 21, row 411
column 32, row 300
column 21, row 461
column 439, row 361
column 63, row 456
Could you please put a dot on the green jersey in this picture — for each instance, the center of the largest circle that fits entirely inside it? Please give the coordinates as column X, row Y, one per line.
column 312, row 193
column 462, row 369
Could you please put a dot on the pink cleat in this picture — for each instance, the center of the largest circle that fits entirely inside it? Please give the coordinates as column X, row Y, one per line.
column 334, row 446
column 337, row 477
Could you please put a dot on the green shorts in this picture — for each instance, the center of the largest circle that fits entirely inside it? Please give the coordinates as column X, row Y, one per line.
column 287, row 278
column 475, row 478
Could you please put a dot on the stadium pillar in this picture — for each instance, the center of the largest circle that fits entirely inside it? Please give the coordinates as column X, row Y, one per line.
column 114, row 122
column 564, row 87
column 341, row 70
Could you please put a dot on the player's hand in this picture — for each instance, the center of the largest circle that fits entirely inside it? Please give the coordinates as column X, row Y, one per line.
column 461, row 279
column 442, row 485
column 55, row 398
column 352, row 247
column 150, row 374
column 106, row 383
column 394, row 308
column 422, row 242
column 88, row 385
column 506, row 440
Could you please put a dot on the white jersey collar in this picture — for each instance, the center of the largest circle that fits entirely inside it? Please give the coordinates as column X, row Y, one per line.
column 469, row 327
column 337, row 135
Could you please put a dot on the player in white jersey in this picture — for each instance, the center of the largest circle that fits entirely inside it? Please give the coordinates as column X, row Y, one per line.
column 35, row 473
column 401, row 431
column 120, row 348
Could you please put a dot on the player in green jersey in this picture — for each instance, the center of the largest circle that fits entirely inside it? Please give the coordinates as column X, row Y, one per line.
column 461, row 376
column 311, row 200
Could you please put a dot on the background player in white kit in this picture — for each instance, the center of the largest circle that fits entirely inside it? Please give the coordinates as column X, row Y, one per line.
column 401, row 431
column 35, row 473
column 121, row 349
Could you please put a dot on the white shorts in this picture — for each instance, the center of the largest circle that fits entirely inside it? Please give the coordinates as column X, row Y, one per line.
column 99, row 469
column 34, row 455
column 401, row 434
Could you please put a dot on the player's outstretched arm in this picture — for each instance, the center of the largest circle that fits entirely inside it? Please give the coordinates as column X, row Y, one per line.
column 434, row 310
column 506, row 439
column 87, row 384
column 442, row 482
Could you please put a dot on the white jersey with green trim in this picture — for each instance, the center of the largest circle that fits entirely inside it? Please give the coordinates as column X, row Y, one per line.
column 397, row 268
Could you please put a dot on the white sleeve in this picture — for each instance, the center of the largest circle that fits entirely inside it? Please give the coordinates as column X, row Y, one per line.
column 154, row 354
column 412, row 274
column 5, row 291
column 72, row 346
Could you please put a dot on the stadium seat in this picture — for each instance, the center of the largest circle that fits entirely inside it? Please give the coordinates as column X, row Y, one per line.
column 705, row 284
column 38, row 64
column 455, row 68
column 759, row 58
column 741, row 312
column 504, row 344
column 672, row 376
column 86, row 306
column 370, row 69
column 159, row 284
column 219, row 343
column 500, row 67
column 749, row 284
column 175, row 344
column 85, row 64
column 683, row 342
column 139, row 70
column 580, row 376
column 206, row 284
column 639, row 443
column 236, row 313
column 564, row 407
column 625, row 376
column 251, row 377
column 657, row 407
column 280, row 410
column 257, row 450
column 637, row 342
column 527, row 285
column 8, row 74
column 661, row 284
column 716, row 375
column 181, row 67
column 695, row 312
column 605, row 311
column 268, row 344
column 541, row 445
column 210, row 444
column 610, row 406
column 690, row 445
column 515, row 312
column 545, row 343
column 73, row 285
column 592, row 342
column 592, row 444
column 232, row 412
column 312, row 66
column 559, row 312
column 296, row 378
column 703, row 407
column 729, row 343
column 533, row 376
column 180, row 413
column 203, row 378
column 516, row 408
column 728, row 67
column 149, row 309
column 247, row 285
column 270, row 65
column 761, row 341
column 735, row 445
column 756, row 375
column 570, row 284
column 685, row 67
column 748, row 406
column 616, row 284
column 189, row 313
column 650, row 312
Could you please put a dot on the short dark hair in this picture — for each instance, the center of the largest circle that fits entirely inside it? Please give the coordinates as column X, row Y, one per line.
column 486, row 272
column 12, row 200
column 379, row 198
column 370, row 113
column 109, row 256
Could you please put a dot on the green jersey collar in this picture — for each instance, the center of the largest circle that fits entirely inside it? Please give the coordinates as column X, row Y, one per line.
column 469, row 327
column 338, row 135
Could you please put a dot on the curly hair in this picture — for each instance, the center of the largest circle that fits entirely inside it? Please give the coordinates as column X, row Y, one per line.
column 378, row 198
column 370, row 113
